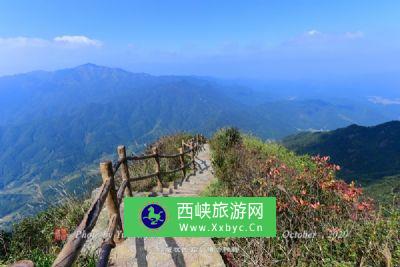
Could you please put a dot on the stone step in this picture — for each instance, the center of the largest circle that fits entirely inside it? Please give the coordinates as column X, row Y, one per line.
column 173, row 251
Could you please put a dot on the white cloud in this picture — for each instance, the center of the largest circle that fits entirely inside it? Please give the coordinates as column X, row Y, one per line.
column 22, row 41
column 59, row 41
column 384, row 101
column 77, row 40
column 334, row 36
column 313, row 33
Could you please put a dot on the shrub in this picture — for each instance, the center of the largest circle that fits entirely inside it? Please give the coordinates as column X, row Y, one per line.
column 226, row 138
column 224, row 156
column 349, row 229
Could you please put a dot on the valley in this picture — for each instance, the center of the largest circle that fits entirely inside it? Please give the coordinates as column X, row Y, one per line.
column 55, row 127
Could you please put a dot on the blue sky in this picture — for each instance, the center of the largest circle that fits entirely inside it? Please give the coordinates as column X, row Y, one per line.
column 232, row 39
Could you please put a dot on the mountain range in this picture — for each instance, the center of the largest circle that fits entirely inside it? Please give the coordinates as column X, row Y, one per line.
column 56, row 126
column 366, row 154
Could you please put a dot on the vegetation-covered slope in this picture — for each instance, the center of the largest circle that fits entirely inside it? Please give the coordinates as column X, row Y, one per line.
column 365, row 154
column 33, row 237
column 385, row 190
column 54, row 125
column 349, row 230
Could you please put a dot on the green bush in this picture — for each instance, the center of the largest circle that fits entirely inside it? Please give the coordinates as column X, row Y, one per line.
column 226, row 138
column 224, row 156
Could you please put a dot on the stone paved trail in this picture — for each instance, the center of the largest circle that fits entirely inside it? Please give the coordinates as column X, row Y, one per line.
column 173, row 251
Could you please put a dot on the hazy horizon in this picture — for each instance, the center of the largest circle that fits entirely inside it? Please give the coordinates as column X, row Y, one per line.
column 261, row 41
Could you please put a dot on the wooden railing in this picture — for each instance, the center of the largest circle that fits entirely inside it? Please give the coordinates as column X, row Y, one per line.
column 111, row 196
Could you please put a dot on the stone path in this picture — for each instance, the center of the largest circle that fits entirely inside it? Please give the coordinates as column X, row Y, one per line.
column 182, row 251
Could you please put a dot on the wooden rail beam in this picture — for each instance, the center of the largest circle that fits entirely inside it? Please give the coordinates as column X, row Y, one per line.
column 130, row 158
column 71, row 249
column 108, row 244
column 121, row 190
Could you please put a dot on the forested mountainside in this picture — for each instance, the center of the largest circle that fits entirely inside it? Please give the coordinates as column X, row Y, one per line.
column 54, row 125
column 365, row 154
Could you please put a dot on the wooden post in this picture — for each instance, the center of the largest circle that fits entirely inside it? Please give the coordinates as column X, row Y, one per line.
column 193, row 155
column 158, row 169
column 125, row 170
column 111, row 201
column 182, row 159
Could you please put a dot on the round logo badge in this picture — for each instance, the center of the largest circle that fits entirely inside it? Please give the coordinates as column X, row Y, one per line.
column 153, row 216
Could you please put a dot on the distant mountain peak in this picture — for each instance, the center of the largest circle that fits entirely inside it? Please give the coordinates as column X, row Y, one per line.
column 90, row 66
column 366, row 153
column 89, row 71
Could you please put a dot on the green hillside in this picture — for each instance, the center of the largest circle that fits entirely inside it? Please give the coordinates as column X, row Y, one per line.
column 32, row 238
column 385, row 190
column 365, row 154
column 348, row 228
column 55, row 126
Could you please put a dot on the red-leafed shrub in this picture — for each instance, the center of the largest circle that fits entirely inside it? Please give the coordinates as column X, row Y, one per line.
column 341, row 225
